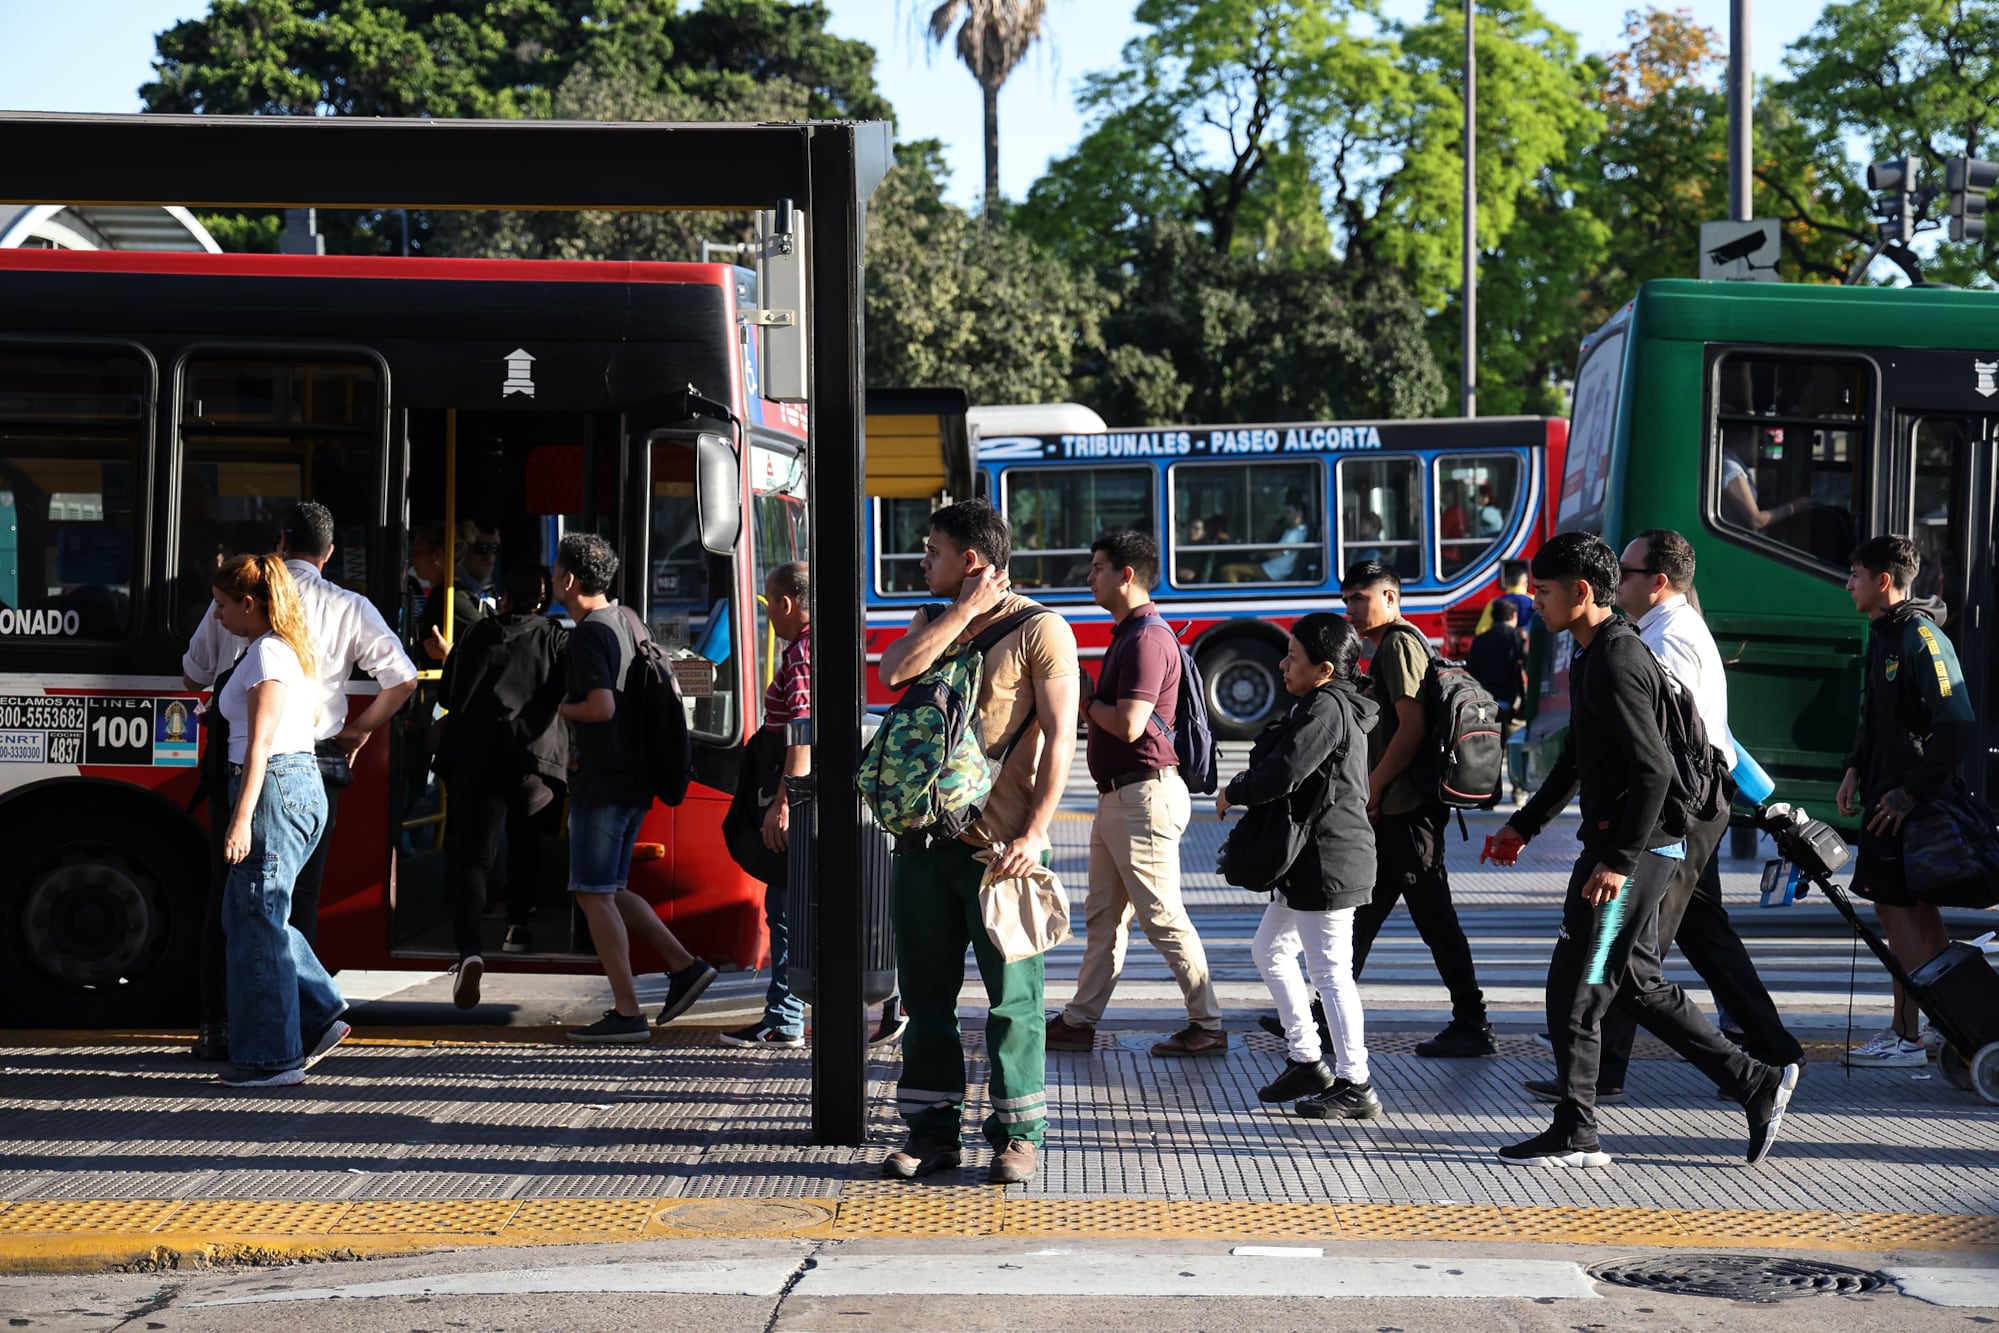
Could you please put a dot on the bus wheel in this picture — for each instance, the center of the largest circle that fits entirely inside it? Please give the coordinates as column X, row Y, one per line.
column 104, row 928
column 1244, row 690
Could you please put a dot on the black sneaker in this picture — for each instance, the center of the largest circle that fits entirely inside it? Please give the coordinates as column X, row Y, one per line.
column 517, row 941
column 894, row 1020
column 1342, row 1101
column 1547, row 1090
column 465, row 985
column 763, row 1034
column 1766, row 1110
column 1301, row 1078
column 922, row 1155
column 324, row 1041
column 614, row 1027
column 1460, row 1043
column 683, row 988
column 211, row 1042
column 235, row 1076
column 1555, row 1146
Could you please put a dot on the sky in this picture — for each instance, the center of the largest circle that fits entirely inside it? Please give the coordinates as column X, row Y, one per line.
column 50, row 61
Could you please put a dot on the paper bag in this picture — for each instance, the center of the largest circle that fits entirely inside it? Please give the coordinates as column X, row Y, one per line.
column 1024, row 914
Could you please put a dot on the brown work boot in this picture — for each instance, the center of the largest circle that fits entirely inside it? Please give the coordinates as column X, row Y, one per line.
column 1013, row 1164
column 1194, row 1041
column 922, row 1155
column 1066, row 1036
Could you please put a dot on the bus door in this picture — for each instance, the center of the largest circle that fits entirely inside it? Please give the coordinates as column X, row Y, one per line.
column 488, row 489
column 1951, row 509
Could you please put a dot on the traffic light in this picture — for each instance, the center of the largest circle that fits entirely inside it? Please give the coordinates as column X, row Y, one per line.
column 1896, row 180
column 1967, row 179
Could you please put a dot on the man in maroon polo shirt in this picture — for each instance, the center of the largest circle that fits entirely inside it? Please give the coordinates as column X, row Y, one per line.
column 1142, row 809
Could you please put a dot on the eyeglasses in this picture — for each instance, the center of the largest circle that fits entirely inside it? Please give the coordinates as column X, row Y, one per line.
column 486, row 548
column 1629, row 572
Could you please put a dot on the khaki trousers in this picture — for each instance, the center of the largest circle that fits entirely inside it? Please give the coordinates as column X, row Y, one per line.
column 1135, row 870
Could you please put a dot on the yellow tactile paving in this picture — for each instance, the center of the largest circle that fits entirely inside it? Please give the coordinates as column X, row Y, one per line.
column 276, row 1217
column 76, row 1234
column 471, row 1217
column 98, row 1215
column 1166, row 1219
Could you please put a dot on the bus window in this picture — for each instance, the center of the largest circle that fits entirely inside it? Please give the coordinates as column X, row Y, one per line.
column 901, row 526
column 1248, row 523
column 779, row 531
column 688, row 609
column 72, row 426
column 1587, row 472
column 1476, row 497
column 1057, row 512
column 1789, row 432
column 258, row 437
column 1381, row 513
column 1943, row 448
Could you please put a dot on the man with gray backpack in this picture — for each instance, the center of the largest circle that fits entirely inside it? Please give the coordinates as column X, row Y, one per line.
column 993, row 667
column 1149, row 746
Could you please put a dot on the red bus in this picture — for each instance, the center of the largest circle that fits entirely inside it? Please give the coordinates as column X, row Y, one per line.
column 157, row 411
column 1256, row 522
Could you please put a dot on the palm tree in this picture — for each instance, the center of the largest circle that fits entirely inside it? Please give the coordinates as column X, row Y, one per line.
column 993, row 37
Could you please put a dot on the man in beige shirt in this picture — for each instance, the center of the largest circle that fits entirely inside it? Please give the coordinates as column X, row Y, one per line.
column 1026, row 718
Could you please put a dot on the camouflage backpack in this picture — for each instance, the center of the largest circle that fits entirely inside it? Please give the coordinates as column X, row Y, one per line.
column 926, row 774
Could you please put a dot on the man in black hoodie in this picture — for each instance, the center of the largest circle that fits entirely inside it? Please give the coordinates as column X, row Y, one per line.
column 504, row 758
column 1608, row 948
column 1916, row 728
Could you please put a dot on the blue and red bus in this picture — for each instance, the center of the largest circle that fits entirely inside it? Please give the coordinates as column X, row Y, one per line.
column 1255, row 524
column 159, row 411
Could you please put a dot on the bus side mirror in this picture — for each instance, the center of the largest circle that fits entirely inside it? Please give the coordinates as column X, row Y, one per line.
column 718, row 492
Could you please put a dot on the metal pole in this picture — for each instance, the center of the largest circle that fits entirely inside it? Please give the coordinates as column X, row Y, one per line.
column 1741, row 197
column 1468, row 381
column 839, row 681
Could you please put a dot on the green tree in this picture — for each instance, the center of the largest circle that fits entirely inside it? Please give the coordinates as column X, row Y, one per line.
column 994, row 36
column 1257, row 337
column 951, row 301
column 1905, row 76
column 588, row 59
column 1217, row 113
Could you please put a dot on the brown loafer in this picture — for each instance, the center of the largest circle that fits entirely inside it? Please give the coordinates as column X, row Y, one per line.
column 1014, row 1163
column 921, row 1156
column 1066, row 1036
column 1194, row 1041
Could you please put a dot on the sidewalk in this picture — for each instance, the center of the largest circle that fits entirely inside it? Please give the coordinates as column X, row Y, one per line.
column 122, row 1153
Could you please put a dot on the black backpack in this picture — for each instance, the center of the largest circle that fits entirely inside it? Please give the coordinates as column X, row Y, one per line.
column 651, row 688
column 1697, row 793
column 1193, row 738
column 1465, row 753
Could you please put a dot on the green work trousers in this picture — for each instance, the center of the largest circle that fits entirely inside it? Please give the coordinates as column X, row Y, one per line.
column 935, row 902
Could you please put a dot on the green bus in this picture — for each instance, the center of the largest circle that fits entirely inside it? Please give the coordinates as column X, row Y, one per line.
column 1777, row 426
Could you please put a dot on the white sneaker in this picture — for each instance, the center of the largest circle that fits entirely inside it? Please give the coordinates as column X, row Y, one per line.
column 1889, row 1052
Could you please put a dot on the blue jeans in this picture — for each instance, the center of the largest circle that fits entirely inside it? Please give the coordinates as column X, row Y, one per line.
column 600, row 846
column 782, row 1010
column 278, row 992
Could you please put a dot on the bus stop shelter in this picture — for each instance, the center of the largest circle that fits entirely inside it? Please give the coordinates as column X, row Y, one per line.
column 828, row 169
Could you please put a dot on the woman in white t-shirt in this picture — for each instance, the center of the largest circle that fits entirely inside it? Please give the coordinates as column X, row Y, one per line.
column 284, row 1010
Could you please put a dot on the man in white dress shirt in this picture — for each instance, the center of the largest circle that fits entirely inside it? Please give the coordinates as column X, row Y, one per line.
column 347, row 631
column 1657, row 575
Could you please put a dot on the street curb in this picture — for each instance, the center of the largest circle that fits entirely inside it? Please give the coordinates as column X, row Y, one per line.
column 878, row 1209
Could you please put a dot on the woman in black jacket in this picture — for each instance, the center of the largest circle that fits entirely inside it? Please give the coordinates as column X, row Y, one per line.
column 504, row 758
column 1317, row 760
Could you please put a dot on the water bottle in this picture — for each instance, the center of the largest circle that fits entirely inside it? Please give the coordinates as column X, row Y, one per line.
column 1752, row 785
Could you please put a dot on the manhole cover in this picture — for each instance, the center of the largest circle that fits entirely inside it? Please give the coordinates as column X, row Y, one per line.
column 1738, row 1277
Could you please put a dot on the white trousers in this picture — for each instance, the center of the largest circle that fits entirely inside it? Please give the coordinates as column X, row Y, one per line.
column 1326, row 940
